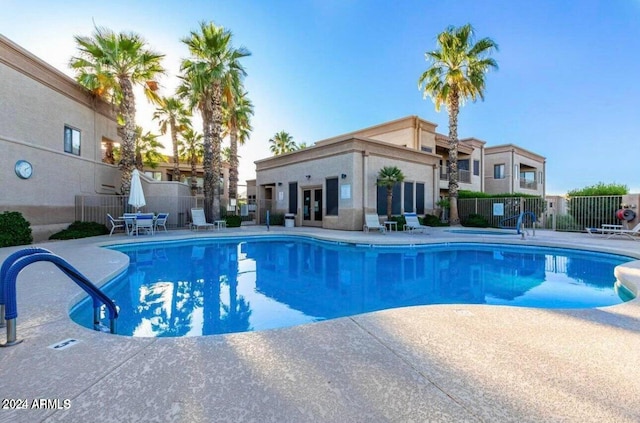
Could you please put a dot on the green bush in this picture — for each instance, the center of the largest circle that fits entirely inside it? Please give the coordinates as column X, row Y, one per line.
column 276, row 219
column 233, row 221
column 431, row 220
column 81, row 230
column 476, row 221
column 599, row 189
column 14, row 230
column 401, row 221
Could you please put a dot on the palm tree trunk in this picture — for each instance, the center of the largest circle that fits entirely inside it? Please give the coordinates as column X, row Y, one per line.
column 128, row 149
column 454, row 107
column 216, row 146
column 207, row 161
column 194, row 182
column 176, row 157
column 389, row 202
column 233, row 165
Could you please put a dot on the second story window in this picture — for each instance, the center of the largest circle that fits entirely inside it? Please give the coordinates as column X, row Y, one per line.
column 498, row 171
column 476, row 168
column 71, row 140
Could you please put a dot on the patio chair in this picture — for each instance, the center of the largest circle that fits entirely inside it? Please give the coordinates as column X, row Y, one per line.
column 145, row 222
column 413, row 224
column 115, row 223
column 130, row 222
column 371, row 221
column 161, row 221
column 613, row 230
column 198, row 220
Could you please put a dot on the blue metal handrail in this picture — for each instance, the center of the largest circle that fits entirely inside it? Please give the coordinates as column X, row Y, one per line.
column 21, row 259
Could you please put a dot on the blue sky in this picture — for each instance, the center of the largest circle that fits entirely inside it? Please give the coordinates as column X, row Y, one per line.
column 567, row 87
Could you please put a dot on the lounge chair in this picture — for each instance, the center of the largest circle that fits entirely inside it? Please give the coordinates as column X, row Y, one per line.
column 199, row 221
column 413, row 224
column 371, row 221
column 613, row 230
column 161, row 221
column 145, row 222
column 115, row 223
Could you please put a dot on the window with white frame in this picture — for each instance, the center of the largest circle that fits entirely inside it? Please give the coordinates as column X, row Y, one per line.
column 498, row 171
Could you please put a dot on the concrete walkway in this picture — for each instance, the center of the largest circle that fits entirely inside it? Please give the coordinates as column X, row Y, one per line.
column 451, row 363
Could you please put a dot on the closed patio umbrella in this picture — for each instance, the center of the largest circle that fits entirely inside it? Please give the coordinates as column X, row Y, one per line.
column 136, row 195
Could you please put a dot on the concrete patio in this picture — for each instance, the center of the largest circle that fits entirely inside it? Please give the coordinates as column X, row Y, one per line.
column 449, row 363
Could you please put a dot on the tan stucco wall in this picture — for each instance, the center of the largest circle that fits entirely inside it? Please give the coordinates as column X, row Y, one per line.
column 359, row 160
column 511, row 156
column 37, row 102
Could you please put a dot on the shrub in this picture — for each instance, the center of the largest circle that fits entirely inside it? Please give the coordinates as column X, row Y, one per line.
column 276, row 219
column 233, row 221
column 401, row 221
column 14, row 230
column 431, row 220
column 475, row 221
column 81, row 230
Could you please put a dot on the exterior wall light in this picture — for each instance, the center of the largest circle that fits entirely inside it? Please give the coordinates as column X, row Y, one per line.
column 343, row 176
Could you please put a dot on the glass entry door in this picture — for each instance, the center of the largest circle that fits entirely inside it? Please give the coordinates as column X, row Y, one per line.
column 312, row 207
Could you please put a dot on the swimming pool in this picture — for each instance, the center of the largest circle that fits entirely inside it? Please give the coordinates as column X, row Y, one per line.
column 215, row 286
column 481, row 232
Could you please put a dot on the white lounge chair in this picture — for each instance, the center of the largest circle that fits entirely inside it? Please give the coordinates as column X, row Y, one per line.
column 613, row 230
column 371, row 221
column 115, row 223
column 413, row 224
column 199, row 221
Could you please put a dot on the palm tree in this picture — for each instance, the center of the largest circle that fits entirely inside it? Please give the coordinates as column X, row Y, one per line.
column 301, row 146
column 147, row 150
column 191, row 150
column 212, row 58
column 456, row 73
column 282, row 143
column 238, row 111
column 109, row 65
column 174, row 116
column 388, row 177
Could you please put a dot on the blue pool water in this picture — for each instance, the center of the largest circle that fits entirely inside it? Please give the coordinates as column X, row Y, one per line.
column 205, row 287
column 481, row 232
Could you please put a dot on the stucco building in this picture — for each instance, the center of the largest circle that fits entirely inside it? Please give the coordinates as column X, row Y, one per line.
column 332, row 184
column 58, row 128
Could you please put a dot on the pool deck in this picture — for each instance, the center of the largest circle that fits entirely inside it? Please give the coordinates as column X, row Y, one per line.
column 445, row 363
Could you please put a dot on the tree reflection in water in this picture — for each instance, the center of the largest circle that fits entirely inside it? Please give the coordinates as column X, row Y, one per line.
column 223, row 286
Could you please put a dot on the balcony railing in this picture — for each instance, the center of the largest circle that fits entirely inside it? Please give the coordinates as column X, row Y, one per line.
column 464, row 176
column 528, row 184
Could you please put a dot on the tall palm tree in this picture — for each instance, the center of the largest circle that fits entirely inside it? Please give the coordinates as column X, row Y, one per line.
column 110, row 65
column 282, row 143
column 238, row 110
column 388, row 177
column 190, row 149
column 173, row 115
column 212, row 58
column 456, row 73
column 148, row 150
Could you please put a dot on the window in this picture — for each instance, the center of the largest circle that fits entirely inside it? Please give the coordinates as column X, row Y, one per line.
column 382, row 199
column 426, row 149
column 332, row 196
column 408, row 197
column 293, row 197
column 154, row 175
column 476, row 168
column 71, row 140
column 463, row 164
column 498, row 171
column 419, row 198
